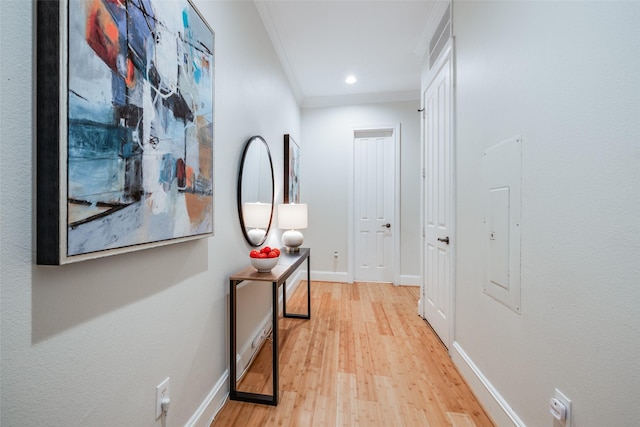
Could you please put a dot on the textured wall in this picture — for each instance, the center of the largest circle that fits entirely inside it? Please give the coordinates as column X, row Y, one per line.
column 564, row 76
column 325, row 178
column 87, row 344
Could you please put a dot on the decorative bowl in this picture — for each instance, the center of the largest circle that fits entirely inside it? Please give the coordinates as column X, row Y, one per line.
column 264, row 265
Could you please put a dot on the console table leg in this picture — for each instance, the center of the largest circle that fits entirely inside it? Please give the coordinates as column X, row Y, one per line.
column 284, row 298
column 232, row 339
column 275, row 342
column 309, row 286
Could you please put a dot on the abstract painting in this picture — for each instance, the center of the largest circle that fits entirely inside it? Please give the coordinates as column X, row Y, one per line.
column 125, row 126
column 291, row 170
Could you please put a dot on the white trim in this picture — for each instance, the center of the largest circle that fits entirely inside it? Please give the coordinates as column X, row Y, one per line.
column 330, row 276
column 247, row 352
column 212, row 404
column 395, row 129
column 350, row 208
column 397, row 137
column 272, row 25
column 422, row 46
column 406, row 280
column 429, row 74
column 293, row 282
column 494, row 404
column 343, row 277
column 449, row 50
column 446, row 57
column 360, row 98
column 423, row 225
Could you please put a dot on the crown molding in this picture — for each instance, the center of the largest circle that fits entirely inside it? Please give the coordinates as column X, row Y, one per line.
column 360, row 98
column 272, row 25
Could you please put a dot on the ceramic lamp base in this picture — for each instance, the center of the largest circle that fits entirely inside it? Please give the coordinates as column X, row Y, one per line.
column 292, row 239
column 256, row 235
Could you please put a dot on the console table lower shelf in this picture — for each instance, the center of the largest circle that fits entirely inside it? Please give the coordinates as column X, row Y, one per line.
column 287, row 264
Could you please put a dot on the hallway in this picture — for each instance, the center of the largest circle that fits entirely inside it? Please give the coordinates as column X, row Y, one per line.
column 365, row 358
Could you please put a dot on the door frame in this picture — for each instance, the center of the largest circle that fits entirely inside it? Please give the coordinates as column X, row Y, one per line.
column 351, row 230
column 428, row 78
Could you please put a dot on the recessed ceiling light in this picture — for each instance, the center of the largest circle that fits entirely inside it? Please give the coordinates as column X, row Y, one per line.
column 351, row 80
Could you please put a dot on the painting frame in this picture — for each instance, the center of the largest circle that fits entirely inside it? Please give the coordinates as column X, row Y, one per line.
column 291, row 170
column 125, row 137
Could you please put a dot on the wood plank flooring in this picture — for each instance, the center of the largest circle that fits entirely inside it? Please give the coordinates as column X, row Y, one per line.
column 364, row 359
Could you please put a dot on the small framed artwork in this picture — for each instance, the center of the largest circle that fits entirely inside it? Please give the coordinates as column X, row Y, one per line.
column 125, row 138
column 291, row 170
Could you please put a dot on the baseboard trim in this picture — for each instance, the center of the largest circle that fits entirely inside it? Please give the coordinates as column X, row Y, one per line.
column 213, row 403
column 294, row 281
column 330, row 276
column 407, row 280
column 494, row 404
column 247, row 351
column 209, row 408
column 343, row 277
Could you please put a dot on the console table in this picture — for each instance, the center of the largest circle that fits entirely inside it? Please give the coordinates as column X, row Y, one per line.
column 287, row 264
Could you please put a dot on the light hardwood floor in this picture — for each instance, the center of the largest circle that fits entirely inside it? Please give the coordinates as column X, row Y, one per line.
column 364, row 359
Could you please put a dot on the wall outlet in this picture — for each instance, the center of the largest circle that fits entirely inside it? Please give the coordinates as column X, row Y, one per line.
column 162, row 391
column 566, row 402
column 258, row 339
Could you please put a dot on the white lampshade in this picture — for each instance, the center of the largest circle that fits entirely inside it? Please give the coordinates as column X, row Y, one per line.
column 292, row 216
column 256, row 215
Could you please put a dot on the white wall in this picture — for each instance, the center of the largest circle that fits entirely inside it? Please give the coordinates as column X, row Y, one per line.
column 87, row 344
column 326, row 144
column 565, row 76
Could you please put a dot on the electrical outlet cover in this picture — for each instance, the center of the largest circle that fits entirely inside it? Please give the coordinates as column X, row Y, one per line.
column 162, row 391
column 567, row 404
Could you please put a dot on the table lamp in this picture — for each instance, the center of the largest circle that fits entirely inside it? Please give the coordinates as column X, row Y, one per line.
column 292, row 217
column 256, row 218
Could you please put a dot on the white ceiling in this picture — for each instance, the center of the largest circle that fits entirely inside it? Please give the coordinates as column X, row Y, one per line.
column 321, row 42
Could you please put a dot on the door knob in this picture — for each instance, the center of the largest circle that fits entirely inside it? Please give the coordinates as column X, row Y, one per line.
column 445, row 240
column 386, row 225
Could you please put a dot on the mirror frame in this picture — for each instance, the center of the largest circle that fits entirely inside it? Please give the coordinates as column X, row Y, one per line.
column 251, row 140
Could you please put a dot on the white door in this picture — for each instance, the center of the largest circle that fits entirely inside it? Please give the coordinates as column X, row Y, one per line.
column 438, row 204
column 374, row 200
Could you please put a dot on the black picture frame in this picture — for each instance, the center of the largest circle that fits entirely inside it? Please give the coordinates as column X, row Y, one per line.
column 291, row 170
column 156, row 189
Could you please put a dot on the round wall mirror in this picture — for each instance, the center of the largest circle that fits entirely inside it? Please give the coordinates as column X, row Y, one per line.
column 255, row 191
